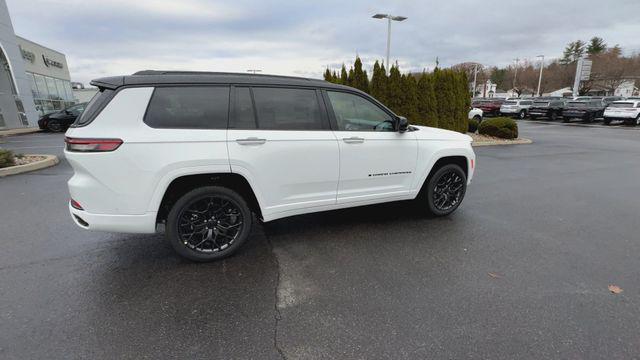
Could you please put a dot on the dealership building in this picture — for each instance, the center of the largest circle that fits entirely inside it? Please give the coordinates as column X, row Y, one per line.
column 34, row 80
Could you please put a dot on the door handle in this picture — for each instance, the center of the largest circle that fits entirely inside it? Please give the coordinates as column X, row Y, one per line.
column 353, row 140
column 251, row 141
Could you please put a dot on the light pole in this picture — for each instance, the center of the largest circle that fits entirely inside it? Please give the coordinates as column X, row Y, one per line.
column 475, row 77
column 540, row 77
column 515, row 74
column 389, row 18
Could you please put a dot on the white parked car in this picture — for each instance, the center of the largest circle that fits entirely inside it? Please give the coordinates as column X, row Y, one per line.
column 516, row 107
column 475, row 114
column 203, row 152
column 627, row 111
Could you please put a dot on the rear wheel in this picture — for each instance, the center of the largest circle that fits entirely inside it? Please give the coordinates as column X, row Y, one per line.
column 54, row 126
column 606, row 121
column 208, row 223
column 477, row 118
column 554, row 115
column 445, row 190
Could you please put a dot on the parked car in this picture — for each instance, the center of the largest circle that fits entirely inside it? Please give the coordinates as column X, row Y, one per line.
column 489, row 106
column 61, row 120
column 547, row 107
column 475, row 114
column 517, row 107
column 586, row 110
column 202, row 152
column 627, row 111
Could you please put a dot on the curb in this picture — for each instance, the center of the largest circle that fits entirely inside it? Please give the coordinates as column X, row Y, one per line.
column 20, row 131
column 512, row 142
column 49, row 161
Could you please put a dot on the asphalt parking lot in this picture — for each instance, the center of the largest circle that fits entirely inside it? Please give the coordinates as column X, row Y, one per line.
column 521, row 270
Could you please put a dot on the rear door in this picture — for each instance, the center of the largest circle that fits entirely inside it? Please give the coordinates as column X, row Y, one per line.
column 376, row 161
column 279, row 138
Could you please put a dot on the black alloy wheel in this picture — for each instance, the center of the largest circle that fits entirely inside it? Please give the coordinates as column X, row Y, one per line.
column 208, row 223
column 446, row 190
column 54, row 126
column 554, row 115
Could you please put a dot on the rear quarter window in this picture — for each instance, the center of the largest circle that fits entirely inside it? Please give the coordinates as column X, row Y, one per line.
column 93, row 107
column 188, row 107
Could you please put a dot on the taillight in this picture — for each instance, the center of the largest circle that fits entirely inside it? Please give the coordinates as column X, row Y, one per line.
column 76, row 205
column 92, row 145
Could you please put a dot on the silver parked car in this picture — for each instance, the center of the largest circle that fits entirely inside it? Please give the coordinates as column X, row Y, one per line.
column 516, row 107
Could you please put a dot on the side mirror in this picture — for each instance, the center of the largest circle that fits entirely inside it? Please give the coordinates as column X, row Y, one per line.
column 402, row 124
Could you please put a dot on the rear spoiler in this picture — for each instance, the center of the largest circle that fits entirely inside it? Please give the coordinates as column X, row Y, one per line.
column 111, row 83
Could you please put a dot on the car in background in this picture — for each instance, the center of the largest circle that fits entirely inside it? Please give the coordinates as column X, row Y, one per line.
column 516, row 107
column 586, row 110
column 489, row 106
column 475, row 114
column 627, row 111
column 61, row 120
column 549, row 107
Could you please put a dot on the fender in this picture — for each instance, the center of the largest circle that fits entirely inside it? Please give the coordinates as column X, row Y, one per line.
column 460, row 149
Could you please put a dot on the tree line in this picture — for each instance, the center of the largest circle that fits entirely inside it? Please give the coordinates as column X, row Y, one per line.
column 439, row 98
column 610, row 69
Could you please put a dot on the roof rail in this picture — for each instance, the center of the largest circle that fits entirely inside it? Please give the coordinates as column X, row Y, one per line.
column 178, row 72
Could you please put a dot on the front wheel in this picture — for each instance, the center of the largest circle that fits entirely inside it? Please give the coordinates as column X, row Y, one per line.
column 522, row 114
column 208, row 223
column 54, row 126
column 606, row 121
column 445, row 190
column 553, row 116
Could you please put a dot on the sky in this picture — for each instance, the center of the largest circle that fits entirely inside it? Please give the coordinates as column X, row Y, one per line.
column 303, row 38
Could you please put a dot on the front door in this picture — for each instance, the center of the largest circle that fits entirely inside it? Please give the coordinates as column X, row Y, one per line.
column 280, row 140
column 376, row 162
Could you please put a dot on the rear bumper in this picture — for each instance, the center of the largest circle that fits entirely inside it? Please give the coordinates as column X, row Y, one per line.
column 140, row 224
column 509, row 111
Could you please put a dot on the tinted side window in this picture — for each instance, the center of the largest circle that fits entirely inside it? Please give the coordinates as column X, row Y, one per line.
column 355, row 113
column 244, row 116
column 93, row 108
column 188, row 107
column 288, row 109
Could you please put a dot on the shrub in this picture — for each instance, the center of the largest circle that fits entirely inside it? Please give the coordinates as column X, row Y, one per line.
column 473, row 125
column 6, row 158
column 501, row 127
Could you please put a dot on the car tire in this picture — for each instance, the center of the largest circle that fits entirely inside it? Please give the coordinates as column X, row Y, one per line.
column 438, row 192
column 477, row 118
column 533, row 117
column 553, row 116
column 54, row 126
column 208, row 224
column 606, row 121
column 522, row 114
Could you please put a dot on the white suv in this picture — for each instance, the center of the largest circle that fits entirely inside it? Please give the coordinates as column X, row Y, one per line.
column 628, row 111
column 516, row 107
column 203, row 152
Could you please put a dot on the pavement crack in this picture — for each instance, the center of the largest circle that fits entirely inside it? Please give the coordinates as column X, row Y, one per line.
column 276, row 314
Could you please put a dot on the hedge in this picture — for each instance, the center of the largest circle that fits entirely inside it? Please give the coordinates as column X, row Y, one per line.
column 501, row 127
column 438, row 99
column 6, row 158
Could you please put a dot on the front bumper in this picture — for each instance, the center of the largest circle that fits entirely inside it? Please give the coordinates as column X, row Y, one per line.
column 139, row 224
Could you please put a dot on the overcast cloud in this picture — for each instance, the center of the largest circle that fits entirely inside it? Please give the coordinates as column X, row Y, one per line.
column 111, row 37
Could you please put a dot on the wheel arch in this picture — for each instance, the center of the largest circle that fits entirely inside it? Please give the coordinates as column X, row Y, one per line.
column 457, row 159
column 185, row 183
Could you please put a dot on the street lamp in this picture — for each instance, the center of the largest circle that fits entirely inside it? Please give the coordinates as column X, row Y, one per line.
column 515, row 74
column 389, row 18
column 540, row 77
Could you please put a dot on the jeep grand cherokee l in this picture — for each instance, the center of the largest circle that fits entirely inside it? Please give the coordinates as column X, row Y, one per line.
column 489, row 107
column 586, row 110
column 627, row 111
column 547, row 107
column 203, row 152
column 518, row 108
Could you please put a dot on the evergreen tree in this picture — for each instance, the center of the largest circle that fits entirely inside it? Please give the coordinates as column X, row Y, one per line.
column 334, row 77
column 366, row 83
column 394, row 90
column 596, row 46
column 572, row 52
column 344, row 78
column 327, row 75
column 378, row 85
column 410, row 98
column 359, row 79
column 427, row 107
column 350, row 77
